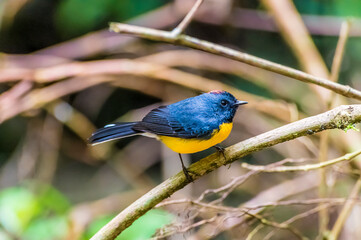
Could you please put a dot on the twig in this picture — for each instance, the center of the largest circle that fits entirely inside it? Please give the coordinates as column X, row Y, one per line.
column 299, row 40
column 185, row 40
column 330, row 201
column 340, row 50
column 254, row 231
column 229, row 187
column 324, row 189
column 278, row 225
column 340, row 117
column 188, row 18
column 97, row 72
column 210, row 207
column 299, row 216
column 345, row 211
column 272, row 195
column 308, row 167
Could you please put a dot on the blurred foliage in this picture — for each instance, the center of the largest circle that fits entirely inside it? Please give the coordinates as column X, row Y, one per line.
column 95, row 14
column 40, row 210
column 347, row 8
column 31, row 213
column 143, row 228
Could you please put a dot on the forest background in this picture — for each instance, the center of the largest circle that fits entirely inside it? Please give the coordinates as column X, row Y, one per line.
column 63, row 74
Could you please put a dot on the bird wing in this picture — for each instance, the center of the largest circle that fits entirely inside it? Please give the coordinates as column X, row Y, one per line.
column 161, row 122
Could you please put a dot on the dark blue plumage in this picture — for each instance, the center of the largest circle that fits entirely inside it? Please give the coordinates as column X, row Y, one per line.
column 196, row 117
column 113, row 131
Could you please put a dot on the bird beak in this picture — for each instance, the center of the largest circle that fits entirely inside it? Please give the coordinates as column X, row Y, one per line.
column 239, row 103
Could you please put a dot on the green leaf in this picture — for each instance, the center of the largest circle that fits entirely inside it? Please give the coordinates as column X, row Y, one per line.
column 75, row 17
column 47, row 228
column 351, row 126
column 17, row 208
column 51, row 199
column 143, row 228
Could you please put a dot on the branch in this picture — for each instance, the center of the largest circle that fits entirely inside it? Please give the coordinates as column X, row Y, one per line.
column 185, row 40
column 340, row 50
column 284, row 226
column 345, row 211
column 340, row 117
column 188, row 18
column 97, row 72
column 306, row 167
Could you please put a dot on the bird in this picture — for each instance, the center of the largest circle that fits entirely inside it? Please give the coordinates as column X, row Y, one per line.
column 188, row 126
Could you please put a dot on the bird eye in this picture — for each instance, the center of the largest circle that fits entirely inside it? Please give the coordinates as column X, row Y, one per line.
column 224, row 103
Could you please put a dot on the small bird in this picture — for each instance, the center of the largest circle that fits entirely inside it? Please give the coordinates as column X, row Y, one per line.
column 188, row 126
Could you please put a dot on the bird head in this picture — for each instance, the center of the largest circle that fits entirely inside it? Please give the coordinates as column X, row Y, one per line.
column 223, row 104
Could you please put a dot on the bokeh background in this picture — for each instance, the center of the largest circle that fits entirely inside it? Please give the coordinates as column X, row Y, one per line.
column 63, row 75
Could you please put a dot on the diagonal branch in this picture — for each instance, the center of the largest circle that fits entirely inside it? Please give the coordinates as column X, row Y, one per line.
column 307, row 167
column 188, row 41
column 340, row 117
column 188, row 18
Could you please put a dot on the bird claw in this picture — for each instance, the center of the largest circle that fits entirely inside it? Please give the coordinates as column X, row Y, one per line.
column 185, row 170
column 221, row 150
column 187, row 175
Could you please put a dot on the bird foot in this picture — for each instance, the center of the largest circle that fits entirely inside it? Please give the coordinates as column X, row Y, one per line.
column 187, row 175
column 221, row 150
column 185, row 170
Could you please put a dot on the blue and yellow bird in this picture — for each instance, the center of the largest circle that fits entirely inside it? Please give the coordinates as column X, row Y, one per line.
column 188, row 126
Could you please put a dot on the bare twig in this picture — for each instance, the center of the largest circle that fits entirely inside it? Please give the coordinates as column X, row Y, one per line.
column 254, row 231
column 324, row 139
column 229, row 187
column 345, row 211
column 295, row 33
column 308, row 167
column 97, row 72
column 299, row 216
column 188, row 18
column 237, row 181
column 185, row 40
column 330, row 201
column 340, row 50
column 284, row 226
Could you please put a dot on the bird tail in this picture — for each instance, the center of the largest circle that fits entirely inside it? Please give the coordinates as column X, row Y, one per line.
column 113, row 131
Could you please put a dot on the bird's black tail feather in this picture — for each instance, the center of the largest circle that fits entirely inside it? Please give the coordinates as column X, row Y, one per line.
column 112, row 132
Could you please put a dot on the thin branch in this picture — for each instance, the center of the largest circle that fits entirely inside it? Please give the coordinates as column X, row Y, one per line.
column 97, row 72
column 229, row 187
column 307, row 167
column 294, row 31
column 330, row 201
column 340, row 50
column 340, row 117
column 299, row 216
column 254, row 231
column 188, row 18
column 324, row 189
column 237, row 181
column 284, row 226
column 185, row 40
column 345, row 211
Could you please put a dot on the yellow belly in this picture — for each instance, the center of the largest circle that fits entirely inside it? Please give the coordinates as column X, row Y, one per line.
column 181, row 145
